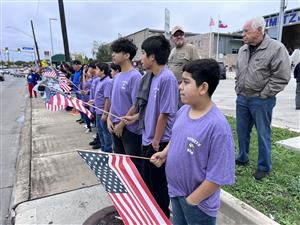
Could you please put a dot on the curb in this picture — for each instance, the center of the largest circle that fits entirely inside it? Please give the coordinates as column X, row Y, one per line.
column 240, row 212
column 21, row 187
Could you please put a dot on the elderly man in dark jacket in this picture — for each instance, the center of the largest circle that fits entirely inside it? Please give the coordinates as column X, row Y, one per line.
column 263, row 70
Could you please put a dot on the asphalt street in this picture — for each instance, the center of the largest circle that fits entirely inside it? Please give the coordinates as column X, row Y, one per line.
column 12, row 105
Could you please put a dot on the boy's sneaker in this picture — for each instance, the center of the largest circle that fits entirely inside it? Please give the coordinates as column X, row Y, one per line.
column 78, row 120
column 96, row 146
column 94, row 142
column 239, row 163
column 88, row 130
column 259, row 175
column 95, row 136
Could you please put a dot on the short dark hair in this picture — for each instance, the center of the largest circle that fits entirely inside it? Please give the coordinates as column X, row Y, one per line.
column 158, row 46
column 93, row 65
column 204, row 70
column 76, row 62
column 103, row 67
column 115, row 67
column 124, row 45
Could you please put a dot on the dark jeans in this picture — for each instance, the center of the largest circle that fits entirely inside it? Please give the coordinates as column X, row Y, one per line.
column 130, row 144
column 297, row 98
column 255, row 111
column 104, row 135
column 184, row 213
column 87, row 119
column 155, row 179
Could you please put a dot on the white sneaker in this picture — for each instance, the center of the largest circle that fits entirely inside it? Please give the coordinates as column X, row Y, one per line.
column 88, row 131
column 85, row 126
column 95, row 135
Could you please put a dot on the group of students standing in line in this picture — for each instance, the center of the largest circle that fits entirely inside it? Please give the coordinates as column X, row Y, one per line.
column 144, row 120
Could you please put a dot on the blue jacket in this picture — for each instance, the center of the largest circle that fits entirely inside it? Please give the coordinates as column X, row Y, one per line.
column 76, row 80
column 32, row 78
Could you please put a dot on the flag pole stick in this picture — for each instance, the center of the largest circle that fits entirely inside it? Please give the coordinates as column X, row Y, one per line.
column 109, row 153
column 84, row 102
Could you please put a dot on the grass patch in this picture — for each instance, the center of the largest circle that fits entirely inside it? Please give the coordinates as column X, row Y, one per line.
column 279, row 194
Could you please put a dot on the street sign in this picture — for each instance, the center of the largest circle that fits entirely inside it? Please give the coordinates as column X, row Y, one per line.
column 27, row 49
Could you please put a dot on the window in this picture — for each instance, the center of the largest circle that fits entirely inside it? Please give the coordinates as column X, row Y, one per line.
column 234, row 51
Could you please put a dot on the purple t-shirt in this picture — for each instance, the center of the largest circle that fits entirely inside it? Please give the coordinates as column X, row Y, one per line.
column 163, row 98
column 124, row 92
column 102, row 92
column 87, row 87
column 92, row 91
column 200, row 149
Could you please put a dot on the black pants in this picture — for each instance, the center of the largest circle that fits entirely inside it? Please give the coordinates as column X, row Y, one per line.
column 129, row 144
column 155, row 179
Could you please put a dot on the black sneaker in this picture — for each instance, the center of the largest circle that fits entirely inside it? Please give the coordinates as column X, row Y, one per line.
column 239, row 163
column 94, row 142
column 81, row 121
column 96, row 146
column 259, row 175
column 78, row 120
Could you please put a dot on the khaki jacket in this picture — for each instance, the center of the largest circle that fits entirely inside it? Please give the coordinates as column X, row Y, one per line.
column 266, row 72
column 181, row 56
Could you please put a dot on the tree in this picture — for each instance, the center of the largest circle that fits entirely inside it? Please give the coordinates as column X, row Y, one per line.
column 104, row 53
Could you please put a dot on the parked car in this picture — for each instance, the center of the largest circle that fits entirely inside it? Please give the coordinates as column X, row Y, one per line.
column 222, row 70
column 1, row 76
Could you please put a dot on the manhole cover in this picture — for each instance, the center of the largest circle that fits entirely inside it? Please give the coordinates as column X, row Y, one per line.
column 106, row 216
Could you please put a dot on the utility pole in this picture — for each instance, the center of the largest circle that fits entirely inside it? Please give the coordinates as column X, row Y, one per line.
column 280, row 20
column 64, row 29
column 36, row 46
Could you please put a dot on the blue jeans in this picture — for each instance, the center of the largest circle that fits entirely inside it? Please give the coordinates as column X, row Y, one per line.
column 255, row 111
column 104, row 135
column 184, row 213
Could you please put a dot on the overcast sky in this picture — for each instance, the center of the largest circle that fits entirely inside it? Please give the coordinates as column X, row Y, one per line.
column 102, row 20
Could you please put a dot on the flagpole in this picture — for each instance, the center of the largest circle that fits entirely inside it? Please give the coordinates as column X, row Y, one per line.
column 209, row 49
column 217, row 56
column 84, row 102
column 110, row 153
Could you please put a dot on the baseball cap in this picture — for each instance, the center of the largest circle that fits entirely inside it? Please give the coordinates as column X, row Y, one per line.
column 175, row 29
column 76, row 62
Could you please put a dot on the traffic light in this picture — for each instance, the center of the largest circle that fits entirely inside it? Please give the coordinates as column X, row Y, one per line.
column 6, row 49
column 19, row 50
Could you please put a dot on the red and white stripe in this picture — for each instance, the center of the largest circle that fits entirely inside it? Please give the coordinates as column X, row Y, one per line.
column 56, row 103
column 138, row 205
column 65, row 87
column 51, row 74
column 79, row 105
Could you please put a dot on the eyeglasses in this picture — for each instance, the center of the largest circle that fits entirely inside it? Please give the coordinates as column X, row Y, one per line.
column 178, row 34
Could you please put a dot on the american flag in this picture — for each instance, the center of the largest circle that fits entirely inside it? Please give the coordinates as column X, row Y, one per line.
column 63, row 82
column 55, row 101
column 51, row 73
column 126, row 188
column 212, row 22
column 79, row 105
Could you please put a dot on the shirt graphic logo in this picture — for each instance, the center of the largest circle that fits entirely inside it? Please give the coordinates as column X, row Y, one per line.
column 124, row 84
column 192, row 145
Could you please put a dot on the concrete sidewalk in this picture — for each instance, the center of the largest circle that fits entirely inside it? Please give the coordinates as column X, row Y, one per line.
column 54, row 186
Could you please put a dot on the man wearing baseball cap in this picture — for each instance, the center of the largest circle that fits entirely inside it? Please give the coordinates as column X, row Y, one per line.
column 182, row 53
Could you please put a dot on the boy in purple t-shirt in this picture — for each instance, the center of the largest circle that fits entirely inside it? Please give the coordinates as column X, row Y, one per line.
column 200, row 155
column 126, row 139
column 161, row 108
column 102, row 102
